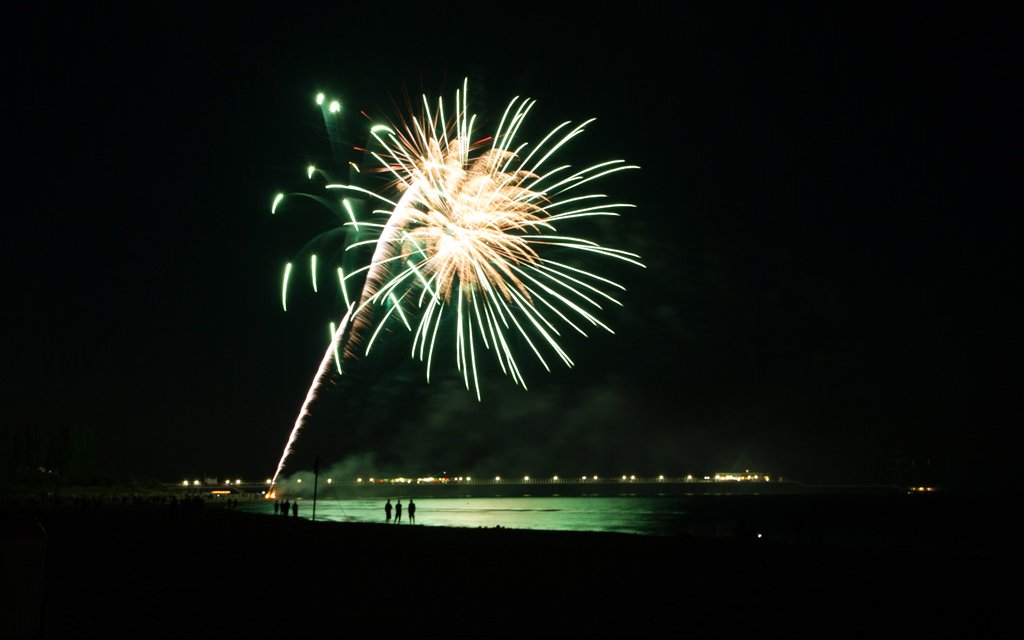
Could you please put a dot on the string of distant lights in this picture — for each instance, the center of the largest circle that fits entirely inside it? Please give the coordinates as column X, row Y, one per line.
column 631, row 478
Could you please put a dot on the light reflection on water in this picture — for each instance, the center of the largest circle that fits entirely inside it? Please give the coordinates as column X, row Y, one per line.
column 651, row 516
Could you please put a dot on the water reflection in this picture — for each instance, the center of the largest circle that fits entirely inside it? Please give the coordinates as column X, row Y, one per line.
column 651, row 516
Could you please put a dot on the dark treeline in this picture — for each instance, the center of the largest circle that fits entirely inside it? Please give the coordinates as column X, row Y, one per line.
column 33, row 453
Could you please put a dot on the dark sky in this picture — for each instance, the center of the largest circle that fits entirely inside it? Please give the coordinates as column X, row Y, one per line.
column 824, row 210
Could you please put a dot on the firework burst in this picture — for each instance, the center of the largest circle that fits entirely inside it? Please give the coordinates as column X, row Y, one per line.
column 474, row 241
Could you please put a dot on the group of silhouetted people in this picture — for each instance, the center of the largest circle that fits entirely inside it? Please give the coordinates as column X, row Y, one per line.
column 398, row 511
column 281, row 507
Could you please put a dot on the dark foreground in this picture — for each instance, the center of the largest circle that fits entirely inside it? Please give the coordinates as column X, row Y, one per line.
column 145, row 571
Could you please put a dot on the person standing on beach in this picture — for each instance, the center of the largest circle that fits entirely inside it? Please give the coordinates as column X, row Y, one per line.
column 412, row 512
column 398, row 512
column 284, row 507
column 387, row 511
column 277, row 507
column 295, row 509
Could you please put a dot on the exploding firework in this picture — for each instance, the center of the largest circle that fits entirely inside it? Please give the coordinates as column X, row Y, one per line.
column 471, row 239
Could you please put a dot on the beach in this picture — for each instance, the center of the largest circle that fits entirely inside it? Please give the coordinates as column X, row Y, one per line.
column 147, row 571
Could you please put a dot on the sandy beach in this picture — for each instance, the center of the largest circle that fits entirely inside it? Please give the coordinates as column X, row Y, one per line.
column 150, row 572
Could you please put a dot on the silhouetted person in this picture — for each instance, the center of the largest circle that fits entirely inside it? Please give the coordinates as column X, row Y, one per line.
column 277, row 507
column 284, row 507
column 295, row 509
column 412, row 511
column 398, row 512
column 387, row 511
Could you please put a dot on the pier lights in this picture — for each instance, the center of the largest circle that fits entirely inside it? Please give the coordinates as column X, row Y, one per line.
column 555, row 478
column 329, row 481
column 497, row 478
column 468, row 479
column 269, row 481
column 237, row 482
column 195, row 483
column 526, row 478
column 632, row 478
column 661, row 478
column 184, row 483
column 359, row 479
column 623, row 477
column 689, row 477
column 299, row 481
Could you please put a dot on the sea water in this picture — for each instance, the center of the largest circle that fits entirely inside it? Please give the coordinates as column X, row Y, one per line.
column 861, row 520
column 625, row 514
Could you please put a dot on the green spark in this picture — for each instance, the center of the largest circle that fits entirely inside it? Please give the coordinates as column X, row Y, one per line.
column 344, row 289
column 334, row 345
column 351, row 214
column 284, row 286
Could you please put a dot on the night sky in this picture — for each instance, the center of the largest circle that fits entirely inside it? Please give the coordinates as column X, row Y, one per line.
column 824, row 209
